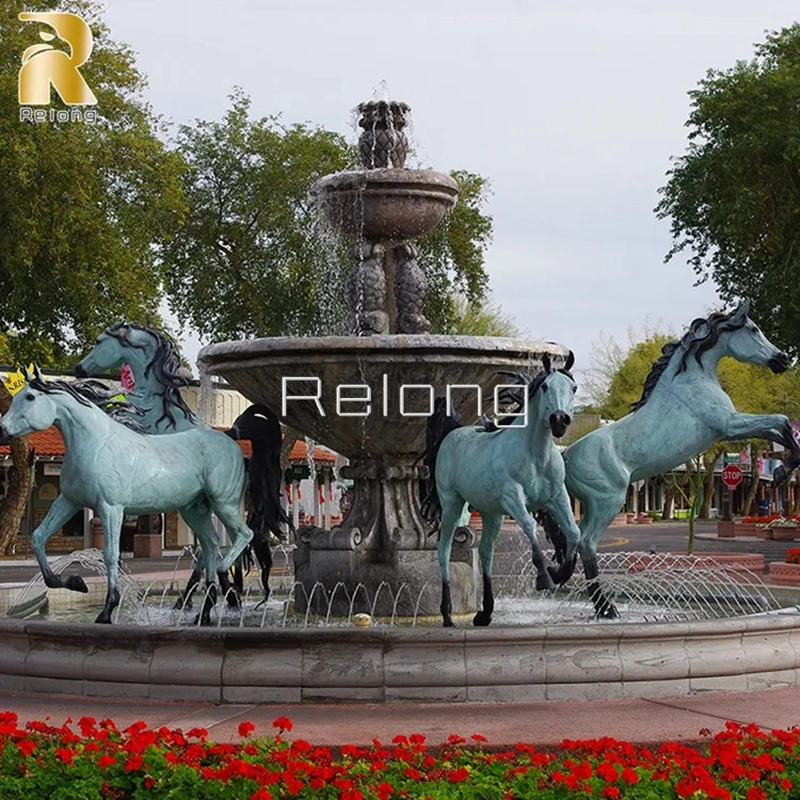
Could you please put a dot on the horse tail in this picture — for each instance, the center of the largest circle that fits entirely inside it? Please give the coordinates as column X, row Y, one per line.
column 440, row 423
column 261, row 427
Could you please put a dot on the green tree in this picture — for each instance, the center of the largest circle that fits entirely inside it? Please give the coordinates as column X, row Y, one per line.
column 483, row 318
column 84, row 208
column 253, row 259
column 734, row 197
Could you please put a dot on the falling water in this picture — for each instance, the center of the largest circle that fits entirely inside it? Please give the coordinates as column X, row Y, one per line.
column 639, row 584
column 206, row 404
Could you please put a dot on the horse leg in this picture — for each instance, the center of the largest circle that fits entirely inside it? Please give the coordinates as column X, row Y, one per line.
column 264, row 557
column 561, row 511
column 198, row 518
column 599, row 515
column 451, row 514
column 61, row 511
column 491, row 530
column 514, row 506
column 239, row 533
column 112, row 526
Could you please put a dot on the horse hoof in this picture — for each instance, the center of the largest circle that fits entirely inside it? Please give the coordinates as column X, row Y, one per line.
column 448, row 623
column 180, row 605
column 544, row 582
column 103, row 618
column 233, row 603
column 482, row 619
column 76, row 584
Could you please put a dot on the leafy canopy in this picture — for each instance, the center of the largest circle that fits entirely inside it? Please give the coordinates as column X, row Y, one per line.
column 83, row 208
column 734, row 196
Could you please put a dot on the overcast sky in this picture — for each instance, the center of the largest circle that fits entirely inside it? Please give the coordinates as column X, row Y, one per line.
column 571, row 111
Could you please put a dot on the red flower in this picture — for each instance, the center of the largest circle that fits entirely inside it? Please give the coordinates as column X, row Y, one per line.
column 106, row 761
column 26, row 747
column 65, row 754
column 610, row 792
column 133, row 764
column 261, row 794
column 458, row 775
column 478, row 737
column 629, row 776
column 246, row 728
column 756, row 793
column 284, row 723
column 149, row 783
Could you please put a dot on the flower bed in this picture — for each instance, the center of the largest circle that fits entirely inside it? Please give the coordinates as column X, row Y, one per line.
column 98, row 761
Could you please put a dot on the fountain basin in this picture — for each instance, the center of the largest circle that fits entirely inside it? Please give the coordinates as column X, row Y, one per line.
column 497, row 665
column 385, row 204
column 384, row 363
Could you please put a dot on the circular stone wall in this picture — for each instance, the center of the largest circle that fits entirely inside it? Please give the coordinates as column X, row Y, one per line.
column 501, row 665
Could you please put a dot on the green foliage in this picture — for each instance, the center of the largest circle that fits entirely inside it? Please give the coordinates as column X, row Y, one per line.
column 252, row 258
column 734, row 197
column 479, row 319
column 83, row 208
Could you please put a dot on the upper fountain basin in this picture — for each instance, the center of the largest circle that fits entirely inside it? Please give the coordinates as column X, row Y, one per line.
column 384, row 363
column 385, row 204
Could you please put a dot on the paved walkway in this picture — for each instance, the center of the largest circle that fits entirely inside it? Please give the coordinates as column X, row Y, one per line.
column 641, row 721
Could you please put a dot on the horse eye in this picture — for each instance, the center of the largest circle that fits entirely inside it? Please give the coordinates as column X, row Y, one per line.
column 544, row 387
column 30, row 397
column 574, row 389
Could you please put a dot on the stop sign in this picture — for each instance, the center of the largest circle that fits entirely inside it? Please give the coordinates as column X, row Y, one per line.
column 732, row 475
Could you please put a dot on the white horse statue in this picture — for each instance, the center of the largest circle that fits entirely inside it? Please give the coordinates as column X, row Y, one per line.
column 511, row 471
column 115, row 471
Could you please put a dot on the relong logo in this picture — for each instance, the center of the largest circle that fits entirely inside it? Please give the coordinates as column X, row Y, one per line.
column 44, row 66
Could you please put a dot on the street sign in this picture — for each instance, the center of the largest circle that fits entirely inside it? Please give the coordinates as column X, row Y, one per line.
column 732, row 475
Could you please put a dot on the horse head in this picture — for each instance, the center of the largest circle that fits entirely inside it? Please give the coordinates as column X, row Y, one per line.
column 111, row 349
column 746, row 342
column 557, row 400
column 31, row 410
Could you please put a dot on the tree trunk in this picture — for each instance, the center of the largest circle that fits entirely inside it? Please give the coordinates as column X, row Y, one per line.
column 12, row 509
column 755, row 476
column 708, row 496
column 669, row 501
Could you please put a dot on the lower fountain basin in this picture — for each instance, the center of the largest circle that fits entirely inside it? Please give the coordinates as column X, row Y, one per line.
column 384, row 364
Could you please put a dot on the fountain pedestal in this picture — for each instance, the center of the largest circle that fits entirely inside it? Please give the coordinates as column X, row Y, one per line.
column 379, row 561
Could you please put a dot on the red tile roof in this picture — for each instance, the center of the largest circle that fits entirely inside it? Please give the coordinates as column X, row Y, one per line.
column 49, row 444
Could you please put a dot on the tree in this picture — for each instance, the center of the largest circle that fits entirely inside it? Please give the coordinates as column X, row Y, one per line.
column 84, row 207
column 483, row 318
column 734, row 197
column 253, row 258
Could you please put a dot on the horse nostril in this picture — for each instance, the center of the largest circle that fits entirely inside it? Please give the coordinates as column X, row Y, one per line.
column 567, row 419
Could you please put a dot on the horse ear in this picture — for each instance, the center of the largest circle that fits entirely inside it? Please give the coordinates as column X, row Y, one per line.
column 37, row 373
column 570, row 361
column 742, row 311
column 28, row 376
column 546, row 362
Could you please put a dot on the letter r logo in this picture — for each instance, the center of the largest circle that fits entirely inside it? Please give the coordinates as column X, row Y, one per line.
column 43, row 65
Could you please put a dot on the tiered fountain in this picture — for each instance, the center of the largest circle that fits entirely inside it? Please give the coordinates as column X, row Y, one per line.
column 384, row 542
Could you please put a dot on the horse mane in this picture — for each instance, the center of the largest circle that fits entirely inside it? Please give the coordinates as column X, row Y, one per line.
column 440, row 423
column 702, row 335
column 90, row 392
column 163, row 366
column 509, row 396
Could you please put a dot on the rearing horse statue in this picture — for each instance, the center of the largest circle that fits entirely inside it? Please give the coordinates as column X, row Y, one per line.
column 682, row 412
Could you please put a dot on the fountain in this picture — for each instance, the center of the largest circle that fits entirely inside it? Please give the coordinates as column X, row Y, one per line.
column 699, row 627
column 381, row 380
